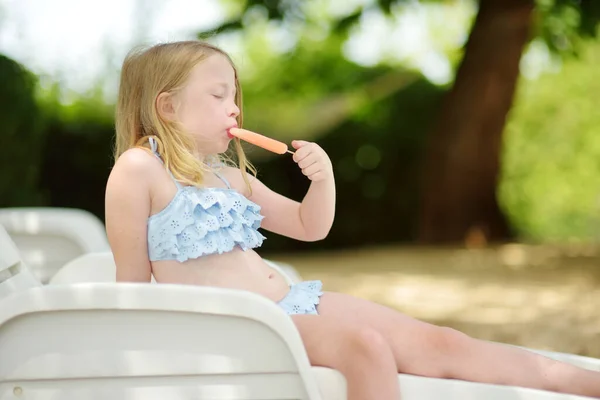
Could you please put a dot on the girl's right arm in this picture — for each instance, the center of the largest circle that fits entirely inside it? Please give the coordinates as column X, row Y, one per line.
column 127, row 207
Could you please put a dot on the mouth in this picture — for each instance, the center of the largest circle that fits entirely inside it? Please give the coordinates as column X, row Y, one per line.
column 229, row 135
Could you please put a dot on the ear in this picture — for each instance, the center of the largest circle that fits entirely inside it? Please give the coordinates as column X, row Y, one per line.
column 165, row 106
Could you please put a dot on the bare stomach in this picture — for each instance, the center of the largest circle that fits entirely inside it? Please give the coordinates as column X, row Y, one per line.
column 237, row 269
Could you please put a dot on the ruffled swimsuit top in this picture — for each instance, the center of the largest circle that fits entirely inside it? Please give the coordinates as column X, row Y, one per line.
column 202, row 221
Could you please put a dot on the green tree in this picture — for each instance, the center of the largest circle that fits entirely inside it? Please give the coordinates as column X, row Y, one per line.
column 462, row 158
column 462, row 166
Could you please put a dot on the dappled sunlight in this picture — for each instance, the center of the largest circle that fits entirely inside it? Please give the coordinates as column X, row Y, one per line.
column 542, row 296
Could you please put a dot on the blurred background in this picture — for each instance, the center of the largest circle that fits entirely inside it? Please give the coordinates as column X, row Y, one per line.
column 464, row 137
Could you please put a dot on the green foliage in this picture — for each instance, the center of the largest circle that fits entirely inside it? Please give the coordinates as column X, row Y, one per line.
column 561, row 23
column 54, row 154
column 78, row 154
column 306, row 92
column 22, row 136
column 371, row 121
column 564, row 23
column 376, row 154
column 77, row 161
column 550, row 185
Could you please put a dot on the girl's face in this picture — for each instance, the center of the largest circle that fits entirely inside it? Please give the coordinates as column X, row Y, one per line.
column 207, row 106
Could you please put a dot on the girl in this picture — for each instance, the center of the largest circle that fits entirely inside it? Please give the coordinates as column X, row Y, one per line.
column 176, row 210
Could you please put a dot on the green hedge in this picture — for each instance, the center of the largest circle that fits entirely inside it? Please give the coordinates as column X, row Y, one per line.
column 550, row 184
column 23, row 136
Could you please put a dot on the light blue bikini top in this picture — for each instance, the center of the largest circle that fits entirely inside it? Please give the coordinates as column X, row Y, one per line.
column 202, row 221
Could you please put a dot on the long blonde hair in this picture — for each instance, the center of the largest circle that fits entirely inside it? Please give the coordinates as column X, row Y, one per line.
column 145, row 74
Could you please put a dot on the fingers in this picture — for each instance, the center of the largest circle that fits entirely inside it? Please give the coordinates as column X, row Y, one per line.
column 311, row 159
column 303, row 149
column 308, row 161
column 312, row 170
column 299, row 143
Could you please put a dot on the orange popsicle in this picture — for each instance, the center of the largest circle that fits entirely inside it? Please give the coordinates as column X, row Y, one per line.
column 261, row 141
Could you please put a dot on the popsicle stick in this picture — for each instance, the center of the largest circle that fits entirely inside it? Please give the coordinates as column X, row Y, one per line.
column 289, row 151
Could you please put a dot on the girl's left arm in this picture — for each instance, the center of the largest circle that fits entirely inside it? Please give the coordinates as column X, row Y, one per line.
column 311, row 219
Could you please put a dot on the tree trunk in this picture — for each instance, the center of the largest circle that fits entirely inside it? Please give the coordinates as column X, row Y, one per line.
column 458, row 197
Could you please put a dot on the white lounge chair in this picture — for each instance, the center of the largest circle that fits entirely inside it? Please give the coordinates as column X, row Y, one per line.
column 143, row 341
column 47, row 238
column 94, row 267
column 134, row 341
column 14, row 275
column 100, row 267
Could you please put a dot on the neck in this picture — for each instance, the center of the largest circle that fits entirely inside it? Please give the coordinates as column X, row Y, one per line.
column 205, row 159
column 201, row 157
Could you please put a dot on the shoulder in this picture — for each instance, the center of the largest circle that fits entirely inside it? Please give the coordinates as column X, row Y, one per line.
column 136, row 163
column 137, row 159
column 133, row 172
column 236, row 180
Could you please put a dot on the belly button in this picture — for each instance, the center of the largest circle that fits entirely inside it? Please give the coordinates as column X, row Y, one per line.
column 271, row 275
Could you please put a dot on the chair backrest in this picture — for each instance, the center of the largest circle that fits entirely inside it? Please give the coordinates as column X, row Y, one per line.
column 14, row 274
column 47, row 238
column 90, row 267
column 148, row 341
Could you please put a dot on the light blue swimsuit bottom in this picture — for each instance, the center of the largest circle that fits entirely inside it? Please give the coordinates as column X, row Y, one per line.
column 303, row 298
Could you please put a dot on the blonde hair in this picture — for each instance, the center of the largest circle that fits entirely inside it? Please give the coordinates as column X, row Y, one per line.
column 146, row 73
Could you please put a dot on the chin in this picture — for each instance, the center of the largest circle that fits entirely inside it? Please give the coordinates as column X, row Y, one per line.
column 216, row 146
column 223, row 149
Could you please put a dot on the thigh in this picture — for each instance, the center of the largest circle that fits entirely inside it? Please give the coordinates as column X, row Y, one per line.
column 359, row 352
column 323, row 338
column 419, row 347
column 329, row 342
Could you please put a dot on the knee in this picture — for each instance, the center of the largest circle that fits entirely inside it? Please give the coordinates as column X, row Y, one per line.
column 443, row 347
column 447, row 341
column 367, row 343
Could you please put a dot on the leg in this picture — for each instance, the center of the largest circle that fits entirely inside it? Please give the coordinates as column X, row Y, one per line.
column 423, row 349
column 359, row 353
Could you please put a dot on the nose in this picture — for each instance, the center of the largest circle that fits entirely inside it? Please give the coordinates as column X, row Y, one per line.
column 234, row 110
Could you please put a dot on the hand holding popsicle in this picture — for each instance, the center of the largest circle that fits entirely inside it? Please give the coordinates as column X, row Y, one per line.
column 310, row 157
column 313, row 161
